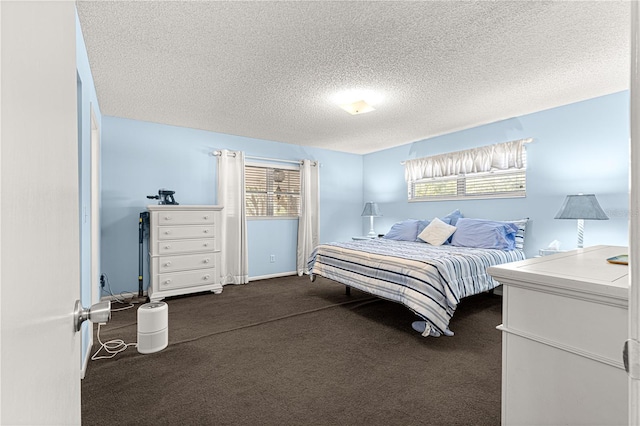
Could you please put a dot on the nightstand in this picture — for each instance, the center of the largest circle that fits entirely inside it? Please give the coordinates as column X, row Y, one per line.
column 363, row 237
column 549, row 252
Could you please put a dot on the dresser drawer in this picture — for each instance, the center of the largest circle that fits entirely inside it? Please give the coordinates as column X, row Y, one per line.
column 197, row 278
column 184, row 232
column 185, row 218
column 187, row 261
column 185, row 246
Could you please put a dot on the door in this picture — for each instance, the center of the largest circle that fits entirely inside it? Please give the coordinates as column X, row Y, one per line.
column 39, row 224
column 634, row 226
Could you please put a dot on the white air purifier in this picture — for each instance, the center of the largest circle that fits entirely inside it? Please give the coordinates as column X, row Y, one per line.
column 153, row 327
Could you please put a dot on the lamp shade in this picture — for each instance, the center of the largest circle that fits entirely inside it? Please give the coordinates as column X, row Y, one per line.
column 371, row 209
column 581, row 206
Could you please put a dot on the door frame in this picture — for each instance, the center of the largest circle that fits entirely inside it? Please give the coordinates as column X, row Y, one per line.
column 634, row 226
column 95, row 207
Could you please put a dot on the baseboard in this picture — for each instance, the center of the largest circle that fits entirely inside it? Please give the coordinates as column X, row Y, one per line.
column 129, row 296
column 278, row 275
column 260, row 277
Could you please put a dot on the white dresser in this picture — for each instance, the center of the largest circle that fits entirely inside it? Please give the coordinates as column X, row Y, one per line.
column 184, row 250
column 564, row 326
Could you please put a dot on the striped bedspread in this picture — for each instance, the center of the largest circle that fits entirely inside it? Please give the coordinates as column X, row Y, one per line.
column 427, row 279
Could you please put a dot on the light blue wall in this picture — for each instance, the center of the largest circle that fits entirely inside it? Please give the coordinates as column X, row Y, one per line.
column 86, row 98
column 138, row 158
column 582, row 147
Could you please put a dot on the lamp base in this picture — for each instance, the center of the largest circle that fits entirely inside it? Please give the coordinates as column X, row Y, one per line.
column 372, row 232
column 580, row 233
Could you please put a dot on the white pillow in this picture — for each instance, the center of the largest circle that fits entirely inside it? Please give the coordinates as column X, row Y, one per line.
column 437, row 232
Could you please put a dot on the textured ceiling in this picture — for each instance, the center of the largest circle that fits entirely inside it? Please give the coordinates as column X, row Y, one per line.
column 271, row 69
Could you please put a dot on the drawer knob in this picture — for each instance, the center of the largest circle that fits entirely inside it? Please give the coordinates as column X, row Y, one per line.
column 167, row 247
column 206, row 244
column 206, row 261
column 167, row 282
column 167, row 218
column 206, row 277
column 167, row 232
column 167, row 264
column 206, row 217
column 206, row 231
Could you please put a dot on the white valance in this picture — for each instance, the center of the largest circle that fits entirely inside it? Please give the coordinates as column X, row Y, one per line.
column 501, row 156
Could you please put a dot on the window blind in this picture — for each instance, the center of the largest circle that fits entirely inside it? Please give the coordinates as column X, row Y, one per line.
column 272, row 191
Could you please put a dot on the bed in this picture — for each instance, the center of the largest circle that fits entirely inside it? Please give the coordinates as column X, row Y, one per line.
column 429, row 279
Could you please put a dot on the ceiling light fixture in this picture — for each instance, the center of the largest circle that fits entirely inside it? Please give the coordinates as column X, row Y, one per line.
column 357, row 107
column 357, row 101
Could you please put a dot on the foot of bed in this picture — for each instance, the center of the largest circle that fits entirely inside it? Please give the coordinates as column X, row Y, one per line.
column 347, row 290
column 312, row 278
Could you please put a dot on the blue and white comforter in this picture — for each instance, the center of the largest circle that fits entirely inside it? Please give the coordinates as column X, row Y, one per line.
column 427, row 279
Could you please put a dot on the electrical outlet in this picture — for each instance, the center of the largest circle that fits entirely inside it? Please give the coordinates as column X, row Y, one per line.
column 272, row 258
column 102, row 283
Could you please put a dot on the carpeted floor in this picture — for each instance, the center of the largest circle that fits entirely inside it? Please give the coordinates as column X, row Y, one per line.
column 286, row 351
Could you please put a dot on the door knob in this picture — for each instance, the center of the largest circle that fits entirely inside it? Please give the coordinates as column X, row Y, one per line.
column 100, row 312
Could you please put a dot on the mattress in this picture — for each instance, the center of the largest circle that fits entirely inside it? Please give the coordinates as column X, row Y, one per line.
column 429, row 280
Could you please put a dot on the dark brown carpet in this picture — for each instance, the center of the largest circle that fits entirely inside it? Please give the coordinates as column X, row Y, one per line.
column 286, row 351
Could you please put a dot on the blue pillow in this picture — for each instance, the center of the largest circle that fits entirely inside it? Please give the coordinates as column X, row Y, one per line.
column 453, row 217
column 407, row 230
column 522, row 227
column 482, row 233
column 421, row 225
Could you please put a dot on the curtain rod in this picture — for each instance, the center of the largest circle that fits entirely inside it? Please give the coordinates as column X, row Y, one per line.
column 249, row 157
column 273, row 159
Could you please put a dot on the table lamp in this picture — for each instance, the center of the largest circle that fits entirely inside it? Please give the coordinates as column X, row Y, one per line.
column 581, row 207
column 371, row 210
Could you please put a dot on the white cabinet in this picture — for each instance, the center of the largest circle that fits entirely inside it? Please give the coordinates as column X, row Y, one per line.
column 564, row 326
column 185, row 250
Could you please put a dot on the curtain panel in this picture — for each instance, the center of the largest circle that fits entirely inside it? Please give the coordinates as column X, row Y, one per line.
column 501, row 156
column 309, row 221
column 234, row 268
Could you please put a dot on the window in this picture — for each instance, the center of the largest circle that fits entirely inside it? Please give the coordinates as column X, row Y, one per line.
column 271, row 191
column 494, row 171
column 485, row 185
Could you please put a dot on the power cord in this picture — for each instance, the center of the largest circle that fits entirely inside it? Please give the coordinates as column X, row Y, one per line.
column 113, row 347
column 120, row 298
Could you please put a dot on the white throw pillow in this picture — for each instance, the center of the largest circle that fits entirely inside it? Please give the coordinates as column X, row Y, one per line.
column 437, row 232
